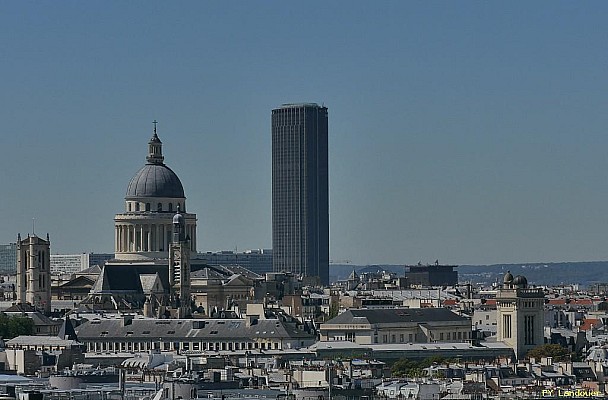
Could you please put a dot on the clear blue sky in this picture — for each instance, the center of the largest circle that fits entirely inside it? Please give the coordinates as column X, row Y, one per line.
column 469, row 132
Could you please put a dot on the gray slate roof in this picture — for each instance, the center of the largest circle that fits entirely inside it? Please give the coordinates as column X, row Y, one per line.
column 127, row 278
column 23, row 310
column 155, row 180
column 223, row 272
column 178, row 329
column 47, row 341
column 397, row 315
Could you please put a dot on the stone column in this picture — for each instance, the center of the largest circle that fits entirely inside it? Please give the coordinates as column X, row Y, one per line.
column 149, row 237
column 159, row 228
column 161, row 236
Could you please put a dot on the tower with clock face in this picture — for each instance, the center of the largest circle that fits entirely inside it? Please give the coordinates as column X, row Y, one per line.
column 179, row 270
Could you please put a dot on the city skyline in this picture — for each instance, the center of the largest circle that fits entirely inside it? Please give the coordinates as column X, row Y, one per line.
column 472, row 133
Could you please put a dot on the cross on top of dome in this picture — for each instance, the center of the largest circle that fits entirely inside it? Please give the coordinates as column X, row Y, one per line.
column 155, row 148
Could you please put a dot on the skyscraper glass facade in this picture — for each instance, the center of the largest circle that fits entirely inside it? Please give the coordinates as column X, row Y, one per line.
column 300, row 195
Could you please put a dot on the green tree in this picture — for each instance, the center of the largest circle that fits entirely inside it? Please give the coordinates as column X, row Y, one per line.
column 414, row 368
column 334, row 308
column 13, row 326
column 557, row 352
column 416, row 373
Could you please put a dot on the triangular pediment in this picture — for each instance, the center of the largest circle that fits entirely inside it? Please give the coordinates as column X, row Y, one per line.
column 238, row 280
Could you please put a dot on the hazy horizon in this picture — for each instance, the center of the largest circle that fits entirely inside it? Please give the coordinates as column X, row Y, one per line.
column 473, row 133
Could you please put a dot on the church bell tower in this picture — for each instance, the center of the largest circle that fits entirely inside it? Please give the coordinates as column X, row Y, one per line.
column 179, row 269
column 34, row 272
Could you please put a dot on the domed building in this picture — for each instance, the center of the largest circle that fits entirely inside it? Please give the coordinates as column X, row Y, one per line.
column 154, row 194
column 155, row 239
column 155, row 252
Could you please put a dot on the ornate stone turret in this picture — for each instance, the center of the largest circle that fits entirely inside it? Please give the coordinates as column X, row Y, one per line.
column 520, row 316
column 178, row 227
column 179, row 270
column 155, row 149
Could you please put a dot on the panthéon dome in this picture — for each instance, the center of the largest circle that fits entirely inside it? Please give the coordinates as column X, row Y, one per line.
column 155, row 179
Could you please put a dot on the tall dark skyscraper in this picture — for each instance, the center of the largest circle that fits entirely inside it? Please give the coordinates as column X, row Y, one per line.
column 300, row 193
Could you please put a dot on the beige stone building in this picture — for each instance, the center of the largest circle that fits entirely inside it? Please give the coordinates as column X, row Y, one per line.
column 397, row 325
column 155, row 241
column 217, row 288
column 34, row 272
column 193, row 336
column 520, row 312
column 28, row 355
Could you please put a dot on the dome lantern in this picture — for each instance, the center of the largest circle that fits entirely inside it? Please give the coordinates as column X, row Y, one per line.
column 155, row 149
column 155, row 179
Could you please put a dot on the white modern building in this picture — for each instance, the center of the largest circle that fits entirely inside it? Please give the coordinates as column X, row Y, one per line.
column 73, row 263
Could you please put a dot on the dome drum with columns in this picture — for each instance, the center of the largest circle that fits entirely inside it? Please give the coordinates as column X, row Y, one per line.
column 154, row 195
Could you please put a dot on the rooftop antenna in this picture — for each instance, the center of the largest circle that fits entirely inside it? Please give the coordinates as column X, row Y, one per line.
column 33, row 226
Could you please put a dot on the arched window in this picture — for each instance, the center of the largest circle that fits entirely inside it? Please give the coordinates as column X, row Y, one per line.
column 147, row 206
column 137, row 206
column 159, row 207
column 170, row 206
column 129, row 207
